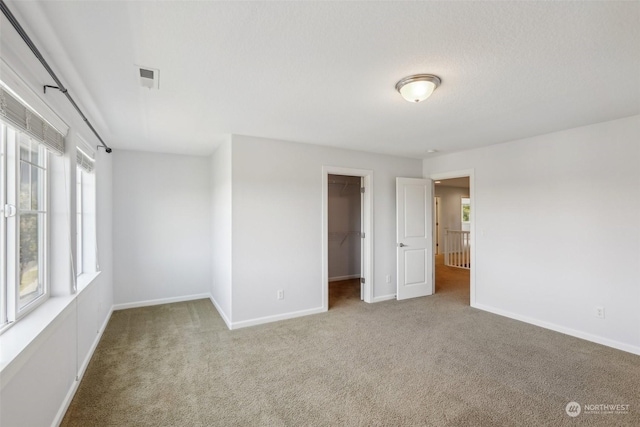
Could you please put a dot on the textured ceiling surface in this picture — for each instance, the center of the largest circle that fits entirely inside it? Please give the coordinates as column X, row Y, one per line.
column 324, row 72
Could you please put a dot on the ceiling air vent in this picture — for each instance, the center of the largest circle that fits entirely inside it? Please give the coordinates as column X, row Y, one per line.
column 149, row 77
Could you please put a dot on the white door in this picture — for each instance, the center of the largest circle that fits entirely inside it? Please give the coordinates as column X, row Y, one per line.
column 414, row 231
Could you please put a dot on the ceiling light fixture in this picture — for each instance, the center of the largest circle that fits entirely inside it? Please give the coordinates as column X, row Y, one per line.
column 418, row 87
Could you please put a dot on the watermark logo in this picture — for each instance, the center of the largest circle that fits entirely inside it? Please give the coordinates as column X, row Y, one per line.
column 606, row 408
column 573, row 409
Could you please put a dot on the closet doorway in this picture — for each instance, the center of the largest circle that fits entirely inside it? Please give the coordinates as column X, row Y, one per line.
column 347, row 236
column 345, row 239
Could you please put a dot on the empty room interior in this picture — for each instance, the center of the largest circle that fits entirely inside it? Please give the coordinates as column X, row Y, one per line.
column 319, row 213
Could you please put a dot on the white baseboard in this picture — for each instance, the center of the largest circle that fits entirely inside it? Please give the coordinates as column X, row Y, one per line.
column 87, row 359
column 348, row 277
column 74, row 386
column 562, row 329
column 384, row 298
column 160, row 301
column 220, row 312
column 275, row 318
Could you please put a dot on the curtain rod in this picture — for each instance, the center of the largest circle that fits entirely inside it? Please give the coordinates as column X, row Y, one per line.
column 60, row 87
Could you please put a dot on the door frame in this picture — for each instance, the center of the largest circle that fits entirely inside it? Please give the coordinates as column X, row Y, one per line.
column 472, row 195
column 367, row 226
column 437, row 232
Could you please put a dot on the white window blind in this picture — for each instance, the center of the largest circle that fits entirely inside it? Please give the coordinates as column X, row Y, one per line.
column 85, row 161
column 22, row 117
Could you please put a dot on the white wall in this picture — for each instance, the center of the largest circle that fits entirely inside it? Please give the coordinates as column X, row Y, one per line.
column 221, row 229
column 450, row 207
column 277, row 223
column 104, row 225
column 37, row 384
column 162, row 227
column 450, row 211
column 557, row 230
column 45, row 371
column 344, row 213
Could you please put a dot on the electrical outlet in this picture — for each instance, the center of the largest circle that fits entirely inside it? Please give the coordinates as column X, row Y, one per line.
column 280, row 294
column 388, row 278
column 599, row 312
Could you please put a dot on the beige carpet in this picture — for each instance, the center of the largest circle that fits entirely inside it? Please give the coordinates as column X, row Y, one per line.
column 430, row 361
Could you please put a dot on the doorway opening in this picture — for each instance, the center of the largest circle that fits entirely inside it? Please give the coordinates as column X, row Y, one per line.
column 345, row 239
column 453, row 236
column 347, row 236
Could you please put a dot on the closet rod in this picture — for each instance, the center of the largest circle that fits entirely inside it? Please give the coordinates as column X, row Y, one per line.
column 36, row 52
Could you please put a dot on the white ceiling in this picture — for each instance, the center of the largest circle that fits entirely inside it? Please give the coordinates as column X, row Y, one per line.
column 324, row 72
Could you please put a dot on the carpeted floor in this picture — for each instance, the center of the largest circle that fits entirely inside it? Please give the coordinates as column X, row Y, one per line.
column 431, row 361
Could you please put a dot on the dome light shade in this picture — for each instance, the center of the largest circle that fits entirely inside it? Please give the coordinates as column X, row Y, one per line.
column 418, row 87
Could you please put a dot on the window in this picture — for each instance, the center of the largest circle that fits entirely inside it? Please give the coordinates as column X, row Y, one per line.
column 86, row 252
column 27, row 142
column 24, row 223
column 466, row 210
column 465, row 214
column 32, row 215
column 3, row 229
column 79, row 228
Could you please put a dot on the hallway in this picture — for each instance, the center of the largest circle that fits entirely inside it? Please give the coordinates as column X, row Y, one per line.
column 452, row 282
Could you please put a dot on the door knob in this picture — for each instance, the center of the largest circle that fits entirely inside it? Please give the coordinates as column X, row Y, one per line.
column 401, row 245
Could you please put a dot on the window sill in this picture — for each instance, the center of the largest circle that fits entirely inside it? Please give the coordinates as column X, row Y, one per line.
column 19, row 337
column 84, row 280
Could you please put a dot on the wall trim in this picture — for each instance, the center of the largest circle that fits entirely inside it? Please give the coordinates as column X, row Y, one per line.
column 76, row 383
column 159, row 301
column 220, row 312
column 100, row 331
column 277, row 317
column 347, row 277
column 562, row 329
